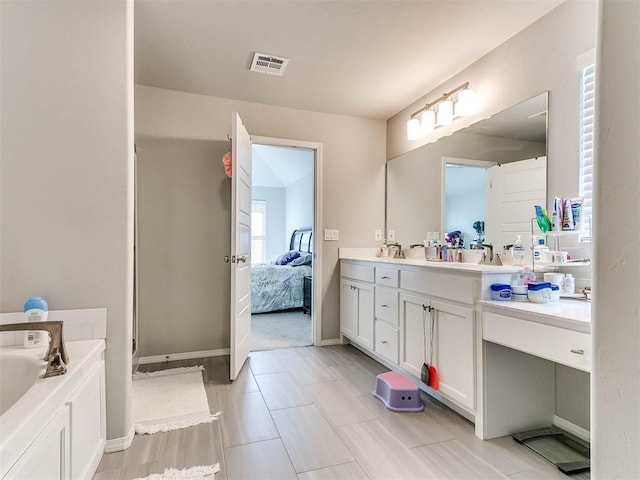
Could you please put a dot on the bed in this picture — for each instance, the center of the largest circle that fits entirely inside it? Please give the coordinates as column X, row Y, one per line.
column 278, row 285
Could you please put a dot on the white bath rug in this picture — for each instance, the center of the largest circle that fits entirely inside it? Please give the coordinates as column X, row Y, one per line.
column 169, row 399
column 193, row 473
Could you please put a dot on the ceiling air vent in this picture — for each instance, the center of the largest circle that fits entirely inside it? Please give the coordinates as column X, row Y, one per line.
column 270, row 64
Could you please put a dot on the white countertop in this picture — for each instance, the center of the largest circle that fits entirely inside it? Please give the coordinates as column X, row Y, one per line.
column 368, row 255
column 567, row 313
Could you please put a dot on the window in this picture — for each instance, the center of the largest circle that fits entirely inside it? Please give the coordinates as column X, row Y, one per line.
column 587, row 71
column 258, row 231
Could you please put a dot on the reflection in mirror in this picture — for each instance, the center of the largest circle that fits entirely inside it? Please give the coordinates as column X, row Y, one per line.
column 493, row 171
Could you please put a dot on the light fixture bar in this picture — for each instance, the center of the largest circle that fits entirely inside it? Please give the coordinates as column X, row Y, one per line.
column 437, row 101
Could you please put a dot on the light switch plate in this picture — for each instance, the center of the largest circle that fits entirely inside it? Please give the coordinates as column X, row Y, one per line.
column 378, row 235
column 391, row 235
column 332, row 235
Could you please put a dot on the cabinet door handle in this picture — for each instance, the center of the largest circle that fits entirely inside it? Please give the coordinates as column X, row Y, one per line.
column 384, row 305
column 384, row 278
column 578, row 351
column 384, row 342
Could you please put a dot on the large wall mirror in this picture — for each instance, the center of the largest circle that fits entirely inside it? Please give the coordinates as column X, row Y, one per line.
column 493, row 171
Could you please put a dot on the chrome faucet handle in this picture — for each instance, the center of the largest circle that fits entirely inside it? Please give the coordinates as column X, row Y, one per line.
column 55, row 365
column 56, row 357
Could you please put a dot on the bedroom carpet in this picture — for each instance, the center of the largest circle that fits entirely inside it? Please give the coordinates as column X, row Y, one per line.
column 280, row 330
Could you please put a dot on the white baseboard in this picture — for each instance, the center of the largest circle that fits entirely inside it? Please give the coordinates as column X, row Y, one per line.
column 331, row 341
column 121, row 443
column 183, row 356
column 572, row 428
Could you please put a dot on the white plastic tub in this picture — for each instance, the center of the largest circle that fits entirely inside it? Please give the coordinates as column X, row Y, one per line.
column 30, row 404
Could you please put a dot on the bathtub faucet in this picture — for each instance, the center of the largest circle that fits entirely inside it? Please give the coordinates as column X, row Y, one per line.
column 56, row 356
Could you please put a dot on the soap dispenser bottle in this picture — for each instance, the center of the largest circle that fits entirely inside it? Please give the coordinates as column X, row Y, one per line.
column 518, row 252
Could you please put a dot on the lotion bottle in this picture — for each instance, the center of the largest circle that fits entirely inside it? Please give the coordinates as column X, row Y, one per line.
column 569, row 284
column 36, row 310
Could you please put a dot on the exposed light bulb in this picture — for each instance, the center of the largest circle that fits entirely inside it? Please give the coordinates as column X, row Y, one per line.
column 427, row 121
column 413, row 129
column 445, row 112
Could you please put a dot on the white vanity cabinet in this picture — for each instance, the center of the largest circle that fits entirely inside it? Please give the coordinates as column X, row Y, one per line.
column 522, row 345
column 387, row 334
column 356, row 304
column 453, row 344
column 406, row 298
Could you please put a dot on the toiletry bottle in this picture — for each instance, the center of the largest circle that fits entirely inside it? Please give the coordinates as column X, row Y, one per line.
column 556, row 221
column 569, row 284
column 567, row 217
column 36, row 310
column 538, row 249
column 518, row 252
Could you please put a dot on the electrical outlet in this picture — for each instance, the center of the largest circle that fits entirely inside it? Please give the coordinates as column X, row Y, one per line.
column 378, row 235
column 391, row 235
column 332, row 235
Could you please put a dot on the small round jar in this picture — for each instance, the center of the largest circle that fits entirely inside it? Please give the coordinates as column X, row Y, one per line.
column 501, row 292
column 539, row 292
column 519, row 293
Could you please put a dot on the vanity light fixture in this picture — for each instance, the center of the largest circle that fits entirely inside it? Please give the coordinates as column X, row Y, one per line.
column 426, row 120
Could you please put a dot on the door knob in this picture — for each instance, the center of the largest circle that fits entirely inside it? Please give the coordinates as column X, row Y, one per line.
column 241, row 258
column 227, row 259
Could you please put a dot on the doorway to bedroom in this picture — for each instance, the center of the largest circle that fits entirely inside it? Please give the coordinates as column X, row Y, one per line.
column 282, row 246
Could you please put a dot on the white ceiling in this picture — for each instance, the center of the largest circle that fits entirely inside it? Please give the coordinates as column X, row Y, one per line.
column 362, row 58
column 279, row 167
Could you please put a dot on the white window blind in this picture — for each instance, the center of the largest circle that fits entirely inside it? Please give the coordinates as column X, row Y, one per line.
column 587, row 107
column 258, row 231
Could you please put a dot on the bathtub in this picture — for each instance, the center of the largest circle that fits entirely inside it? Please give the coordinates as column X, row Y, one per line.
column 52, row 427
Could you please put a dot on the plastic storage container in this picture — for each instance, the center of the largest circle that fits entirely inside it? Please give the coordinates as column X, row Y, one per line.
column 555, row 293
column 501, row 292
column 36, row 310
column 519, row 293
column 539, row 292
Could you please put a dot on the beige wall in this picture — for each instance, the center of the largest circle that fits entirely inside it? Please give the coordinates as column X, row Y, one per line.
column 66, row 159
column 616, row 323
column 184, row 214
column 540, row 58
column 352, row 174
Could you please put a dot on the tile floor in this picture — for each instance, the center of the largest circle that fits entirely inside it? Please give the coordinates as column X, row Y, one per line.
column 308, row 414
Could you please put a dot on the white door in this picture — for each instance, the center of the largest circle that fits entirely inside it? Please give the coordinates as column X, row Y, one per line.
column 513, row 190
column 240, row 246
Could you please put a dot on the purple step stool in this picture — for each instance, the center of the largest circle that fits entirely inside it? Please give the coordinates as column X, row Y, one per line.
column 397, row 392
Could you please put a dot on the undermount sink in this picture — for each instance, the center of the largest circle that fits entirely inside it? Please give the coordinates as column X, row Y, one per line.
column 472, row 255
column 415, row 253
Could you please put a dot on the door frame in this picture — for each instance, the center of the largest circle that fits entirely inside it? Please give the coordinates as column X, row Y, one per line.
column 443, row 179
column 316, row 297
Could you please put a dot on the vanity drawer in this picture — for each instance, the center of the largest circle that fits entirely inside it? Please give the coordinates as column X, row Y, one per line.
column 386, row 338
column 437, row 284
column 357, row 272
column 559, row 345
column 387, row 305
column 387, row 276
